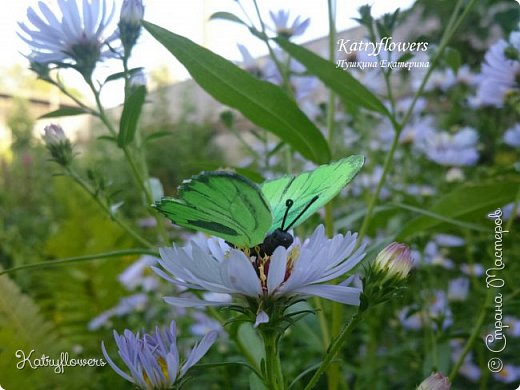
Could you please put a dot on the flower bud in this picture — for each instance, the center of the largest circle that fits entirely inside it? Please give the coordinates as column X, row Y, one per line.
column 395, row 261
column 58, row 144
column 435, row 382
column 132, row 13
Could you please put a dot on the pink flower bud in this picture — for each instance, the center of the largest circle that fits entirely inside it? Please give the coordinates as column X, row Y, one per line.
column 395, row 260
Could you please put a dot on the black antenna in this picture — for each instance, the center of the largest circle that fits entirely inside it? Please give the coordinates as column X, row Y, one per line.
column 288, row 204
column 301, row 213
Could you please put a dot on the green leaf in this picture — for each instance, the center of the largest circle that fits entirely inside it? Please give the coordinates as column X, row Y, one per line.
column 120, row 75
column 109, row 138
column 265, row 104
column 66, row 111
column 464, row 203
column 340, row 81
column 227, row 16
column 130, row 116
column 157, row 135
column 255, row 346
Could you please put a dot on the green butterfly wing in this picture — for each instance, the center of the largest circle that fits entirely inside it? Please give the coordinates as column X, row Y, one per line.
column 222, row 204
column 325, row 181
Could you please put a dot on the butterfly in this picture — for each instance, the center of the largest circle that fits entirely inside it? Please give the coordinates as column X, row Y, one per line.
column 247, row 215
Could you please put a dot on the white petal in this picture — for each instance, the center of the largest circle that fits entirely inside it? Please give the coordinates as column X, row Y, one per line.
column 342, row 294
column 277, row 267
column 261, row 318
column 239, row 274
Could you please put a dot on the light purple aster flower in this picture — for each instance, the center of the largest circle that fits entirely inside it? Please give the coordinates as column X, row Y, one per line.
column 153, row 359
column 498, row 76
column 126, row 305
column 513, row 325
column 512, row 136
column 134, row 276
column 458, row 289
column 472, row 269
column 508, row 374
column 212, row 265
column 449, row 240
column 77, row 36
column 459, row 149
column 284, row 28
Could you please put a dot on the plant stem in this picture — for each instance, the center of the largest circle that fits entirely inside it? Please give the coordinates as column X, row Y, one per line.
column 142, row 182
column 333, row 374
column 334, row 348
column 474, row 334
column 77, row 259
column 273, row 369
column 83, row 184
column 452, row 26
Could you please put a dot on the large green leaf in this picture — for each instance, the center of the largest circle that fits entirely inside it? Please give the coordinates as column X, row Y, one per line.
column 464, row 204
column 263, row 103
column 340, row 81
column 130, row 116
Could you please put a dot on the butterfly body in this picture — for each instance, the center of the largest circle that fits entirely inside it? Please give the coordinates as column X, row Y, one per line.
column 272, row 241
column 247, row 215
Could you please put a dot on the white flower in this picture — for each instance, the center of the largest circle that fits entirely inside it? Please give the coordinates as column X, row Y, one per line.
column 77, row 36
column 300, row 270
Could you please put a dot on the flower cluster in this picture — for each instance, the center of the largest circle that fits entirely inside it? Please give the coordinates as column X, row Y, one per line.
column 153, row 359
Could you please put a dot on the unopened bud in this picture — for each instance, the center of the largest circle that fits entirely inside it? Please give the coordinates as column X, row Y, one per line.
column 435, row 382
column 58, row 144
column 395, row 260
column 132, row 12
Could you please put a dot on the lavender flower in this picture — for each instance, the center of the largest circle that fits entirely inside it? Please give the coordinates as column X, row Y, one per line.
column 499, row 74
column 76, row 39
column 126, row 305
column 282, row 26
column 458, row 289
column 153, row 359
column 508, row 374
column 211, row 265
column 512, row 136
column 459, row 149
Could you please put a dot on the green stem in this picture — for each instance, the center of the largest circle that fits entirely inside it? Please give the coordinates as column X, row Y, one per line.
column 334, row 348
column 474, row 334
column 279, row 66
column 83, row 184
column 273, row 368
column 333, row 374
column 77, row 259
column 453, row 24
column 142, row 182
